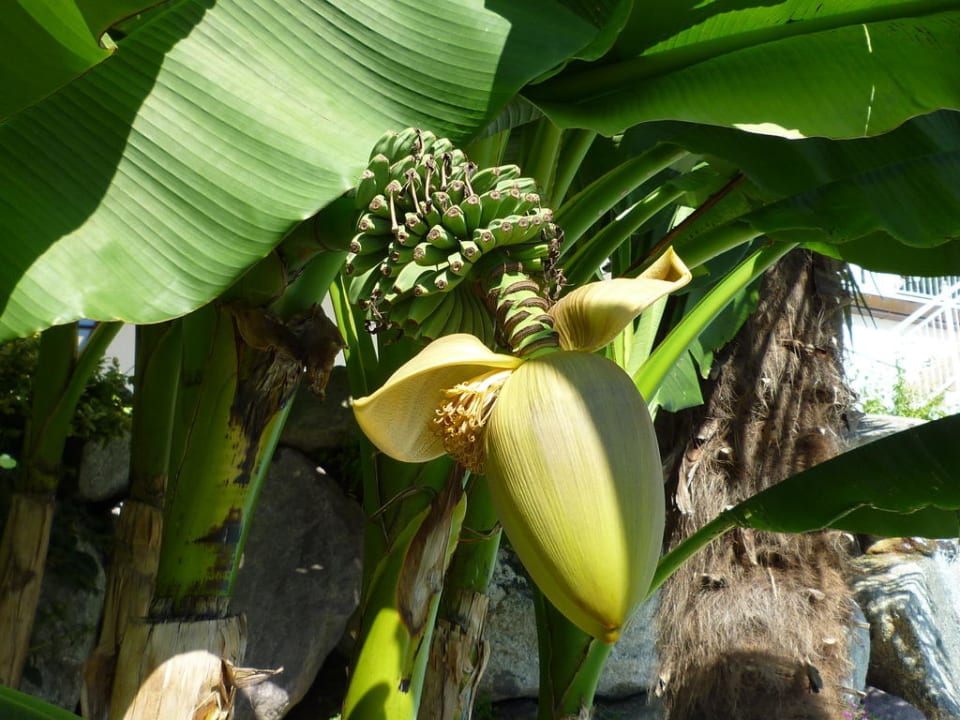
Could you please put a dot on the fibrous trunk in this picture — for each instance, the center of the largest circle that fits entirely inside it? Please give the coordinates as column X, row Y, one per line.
column 23, row 556
column 755, row 625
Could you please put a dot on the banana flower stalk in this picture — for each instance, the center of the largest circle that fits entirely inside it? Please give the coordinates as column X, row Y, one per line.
column 564, row 439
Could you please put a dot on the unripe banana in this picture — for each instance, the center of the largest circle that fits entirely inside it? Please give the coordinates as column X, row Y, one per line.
column 415, row 224
column 472, row 212
column 446, row 280
column 426, row 254
column 398, row 254
column 489, row 178
column 441, row 201
column 458, row 264
column 366, row 244
column 442, row 238
column 523, row 185
column 484, row 239
column 456, row 191
column 395, row 145
column 407, row 279
column 371, row 224
column 454, row 221
column 423, row 307
column 357, row 264
column 433, row 325
column 379, row 205
column 471, row 250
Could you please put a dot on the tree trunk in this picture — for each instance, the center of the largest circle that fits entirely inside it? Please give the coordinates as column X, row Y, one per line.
column 23, row 556
column 130, row 588
column 458, row 656
column 755, row 625
column 178, row 669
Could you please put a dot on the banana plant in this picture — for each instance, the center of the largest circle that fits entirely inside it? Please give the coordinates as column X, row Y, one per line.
column 423, row 194
column 173, row 166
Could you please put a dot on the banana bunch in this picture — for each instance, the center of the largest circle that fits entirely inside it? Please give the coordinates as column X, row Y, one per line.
column 432, row 229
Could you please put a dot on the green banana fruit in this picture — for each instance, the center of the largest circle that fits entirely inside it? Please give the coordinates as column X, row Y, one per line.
column 441, row 238
column 454, row 221
column 426, row 254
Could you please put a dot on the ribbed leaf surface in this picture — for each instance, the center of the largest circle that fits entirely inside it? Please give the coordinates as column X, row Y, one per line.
column 146, row 187
column 798, row 68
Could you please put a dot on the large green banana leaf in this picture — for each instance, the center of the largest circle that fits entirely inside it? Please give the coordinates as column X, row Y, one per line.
column 903, row 485
column 837, row 68
column 147, row 186
column 888, row 202
column 48, row 43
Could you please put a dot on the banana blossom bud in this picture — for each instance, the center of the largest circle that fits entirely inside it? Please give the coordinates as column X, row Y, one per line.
column 565, row 440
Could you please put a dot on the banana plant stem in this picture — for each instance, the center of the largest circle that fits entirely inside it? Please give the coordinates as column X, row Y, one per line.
column 651, row 374
column 580, row 212
column 571, row 663
column 699, row 249
column 674, row 560
column 576, row 143
column 590, row 255
column 542, row 151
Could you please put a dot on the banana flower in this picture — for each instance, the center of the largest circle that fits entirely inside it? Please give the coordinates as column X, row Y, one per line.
column 564, row 439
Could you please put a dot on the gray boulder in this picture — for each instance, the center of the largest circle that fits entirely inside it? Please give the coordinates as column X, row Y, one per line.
column 299, row 583
column 912, row 602
column 68, row 615
column 320, row 423
column 104, row 470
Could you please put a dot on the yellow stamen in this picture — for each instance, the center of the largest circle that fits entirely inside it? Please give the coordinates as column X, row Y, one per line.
column 460, row 420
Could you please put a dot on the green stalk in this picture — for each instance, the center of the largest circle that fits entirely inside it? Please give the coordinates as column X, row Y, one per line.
column 700, row 249
column 241, row 366
column 62, row 376
column 399, row 612
column 571, row 663
column 541, row 152
column 590, row 254
column 488, row 151
column 583, row 210
column 651, row 374
column 576, row 143
column 674, row 560
column 228, row 439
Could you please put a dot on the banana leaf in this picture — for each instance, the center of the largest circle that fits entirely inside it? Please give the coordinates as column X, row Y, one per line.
column 149, row 184
column 16, row 705
column 840, row 69
column 904, row 485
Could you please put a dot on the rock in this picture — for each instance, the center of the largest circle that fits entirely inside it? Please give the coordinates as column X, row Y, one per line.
column 858, row 644
column 912, row 603
column 315, row 423
column 881, row 706
column 513, row 671
column 299, row 583
column 68, row 614
column 104, row 470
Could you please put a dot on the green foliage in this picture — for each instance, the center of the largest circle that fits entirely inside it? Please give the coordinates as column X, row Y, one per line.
column 906, row 401
column 102, row 413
